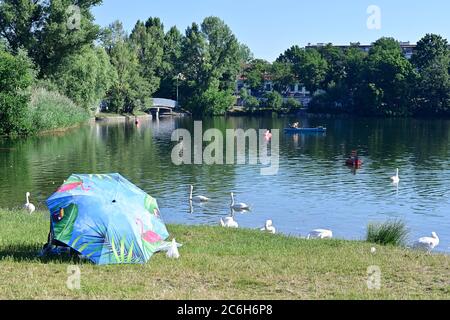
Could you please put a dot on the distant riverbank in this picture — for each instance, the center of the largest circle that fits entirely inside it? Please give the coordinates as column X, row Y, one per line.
column 114, row 117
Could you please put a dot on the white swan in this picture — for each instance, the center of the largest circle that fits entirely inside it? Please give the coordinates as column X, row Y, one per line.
column 269, row 227
column 320, row 234
column 396, row 178
column 229, row 223
column 238, row 206
column 427, row 243
column 197, row 198
column 173, row 253
column 29, row 206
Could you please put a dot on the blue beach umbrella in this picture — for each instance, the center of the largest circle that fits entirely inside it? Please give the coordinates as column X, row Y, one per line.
column 107, row 219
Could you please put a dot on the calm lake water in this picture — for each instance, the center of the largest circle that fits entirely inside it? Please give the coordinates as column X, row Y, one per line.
column 313, row 188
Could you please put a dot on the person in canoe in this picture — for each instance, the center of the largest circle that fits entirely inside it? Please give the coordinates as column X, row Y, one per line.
column 354, row 160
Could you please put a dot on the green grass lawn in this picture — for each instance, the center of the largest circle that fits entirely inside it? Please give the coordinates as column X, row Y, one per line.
column 219, row 263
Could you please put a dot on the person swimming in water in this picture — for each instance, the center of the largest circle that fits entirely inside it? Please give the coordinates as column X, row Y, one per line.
column 268, row 135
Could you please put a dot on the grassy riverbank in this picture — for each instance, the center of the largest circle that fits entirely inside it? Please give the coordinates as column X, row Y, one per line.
column 219, row 263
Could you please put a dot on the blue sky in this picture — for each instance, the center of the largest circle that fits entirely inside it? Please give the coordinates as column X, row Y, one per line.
column 270, row 27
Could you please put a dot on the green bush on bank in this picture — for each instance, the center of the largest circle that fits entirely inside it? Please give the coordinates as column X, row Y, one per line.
column 50, row 110
column 28, row 106
column 389, row 233
column 211, row 102
column 273, row 100
column 16, row 76
column 292, row 105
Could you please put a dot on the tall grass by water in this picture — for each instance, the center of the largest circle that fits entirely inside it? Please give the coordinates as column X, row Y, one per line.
column 393, row 233
column 50, row 111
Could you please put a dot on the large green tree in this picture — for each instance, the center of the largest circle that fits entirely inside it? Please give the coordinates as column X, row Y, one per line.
column 428, row 49
column 196, row 60
column 85, row 77
column 112, row 35
column 282, row 75
column 308, row 66
column 432, row 92
column 48, row 30
column 211, row 63
column 387, row 85
column 147, row 39
column 255, row 73
column 19, row 22
column 131, row 91
column 224, row 52
column 335, row 58
column 433, row 89
column 171, row 64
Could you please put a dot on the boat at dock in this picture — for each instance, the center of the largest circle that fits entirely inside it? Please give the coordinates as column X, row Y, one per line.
column 306, row 130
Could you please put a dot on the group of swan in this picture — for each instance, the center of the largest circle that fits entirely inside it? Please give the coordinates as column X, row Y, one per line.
column 229, row 222
column 424, row 243
column 235, row 206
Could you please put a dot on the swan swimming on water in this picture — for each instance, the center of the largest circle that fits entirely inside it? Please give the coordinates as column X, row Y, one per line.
column 395, row 179
column 427, row 243
column 320, row 234
column 29, row 206
column 269, row 227
column 229, row 223
column 197, row 198
column 238, row 206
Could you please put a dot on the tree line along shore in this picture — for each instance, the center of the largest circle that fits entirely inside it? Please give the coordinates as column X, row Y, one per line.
column 56, row 74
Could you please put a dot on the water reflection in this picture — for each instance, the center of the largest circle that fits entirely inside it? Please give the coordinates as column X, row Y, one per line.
column 313, row 188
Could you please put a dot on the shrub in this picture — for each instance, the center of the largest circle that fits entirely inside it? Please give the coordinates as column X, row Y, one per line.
column 85, row 77
column 50, row 110
column 388, row 233
column 274, row 100
column 210, row 102
column 16, row 76
column 251, row 103
column 292, row 104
